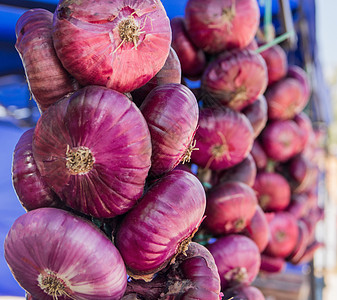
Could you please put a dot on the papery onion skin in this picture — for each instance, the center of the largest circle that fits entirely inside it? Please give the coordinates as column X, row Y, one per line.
column 235, row 79
column 98, row 55
column 193, row 60
column 112, row 129
column 283, row 235
column 237, row 258
column 47, row 79
column 216, row 25
column 171, row 112
column 224, row 138
column 273, row 191
column 257, row 114
column 72, row 248
column 154, row 232
column 31, row 189
column 230, row 207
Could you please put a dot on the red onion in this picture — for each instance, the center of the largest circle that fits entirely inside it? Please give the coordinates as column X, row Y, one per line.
column 283, row 235
column 258, row 229
column 235, row 79
column 273, row 191
column 30, row 187
column 230, row 207
column 56, row 255
column 224, row 138
column 47, row 79
column 271, row 264
column 281, row 140
column 305, row 125
column 218, row 25
column 237, row 258
column 277, row 63
column 192, row 59
column 120, row 45
column 309, row 253
column 302, row 242
column 259, row 156
column 244, row 172
column 169, row 73
column 162, row 224
column 172, row 113
column 299, row 205
column 245, row 292
column 299, row 74
column 94, row 149
column 257, row 114
column 285, row 99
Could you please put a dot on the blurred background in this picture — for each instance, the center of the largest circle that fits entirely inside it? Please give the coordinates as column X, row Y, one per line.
column 313, row 47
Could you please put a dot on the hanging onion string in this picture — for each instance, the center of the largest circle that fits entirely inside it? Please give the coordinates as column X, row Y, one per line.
column 188, row 153
column 79, row 160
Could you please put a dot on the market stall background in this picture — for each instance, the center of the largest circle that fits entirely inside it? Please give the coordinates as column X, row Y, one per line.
column 18, row 111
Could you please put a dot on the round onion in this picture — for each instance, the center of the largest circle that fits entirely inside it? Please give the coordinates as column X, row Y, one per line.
column 230, row 207
column 215, row 25
column 283, row 235
column 281, row 140
column 235, row 79
column 245, row 292
column 244, row 172
column 305, row 125
column 94, row 149
column 299, row 205
column 259, row 156
column 47, row 79
column 277, row 63
column 237, row 258
column 54, row 254
column 224, row 138
column 169, row 73
column 192, row 59
column 299, row 74
column 162, row 224
column 257, row 114
column 30, row 187
column 271, row 264
column 273, row 191
column 302, row 242
column 120, row 45
column 171, row 112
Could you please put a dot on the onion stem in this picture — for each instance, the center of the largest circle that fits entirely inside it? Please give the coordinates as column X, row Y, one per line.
column 79, row 160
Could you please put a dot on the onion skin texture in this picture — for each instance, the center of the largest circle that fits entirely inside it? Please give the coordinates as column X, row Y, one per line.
column 257, row 114
column 259, row 155
column 224, row 138
column 215, row 26
column 235, row 79
column 169, row 73
column 230, row 207
column 114, row 131
column 283, row 235
column 237, row 258
column 277, row 63
column 148, row 242
column 171, row 112
column 74, row 249
column 193, row 59
column 98, row 55
column 31, row 189
column 47, row 79
column 244, row 172
column 273, row 191
column 281, row 140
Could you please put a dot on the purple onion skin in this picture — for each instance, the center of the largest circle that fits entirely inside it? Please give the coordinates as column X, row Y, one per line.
column 299, row 74
column 301, row 244
column 192, row 59
column 230, row 207
column 29, row 186
column 273, row 191
column 169, row 73
column 281, row 140
column 148, row 241
column 259, row 155
column 74, row 249
column 171, row 112
column 237, row 258
column 47, row 79
column 215, row 26
column 244, row 292
column 305, row 125
column 235, row 79
column 115, row 132
column 101, row 54
column 224, row 138
column 244, row 172
column 257, row 114
column 271, row 264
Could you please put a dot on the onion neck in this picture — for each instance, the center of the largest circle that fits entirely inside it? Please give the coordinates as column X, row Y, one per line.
column 79, row 160
column 129, row 31
column 238, row 274
column 187, row 155
column 52, row 285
